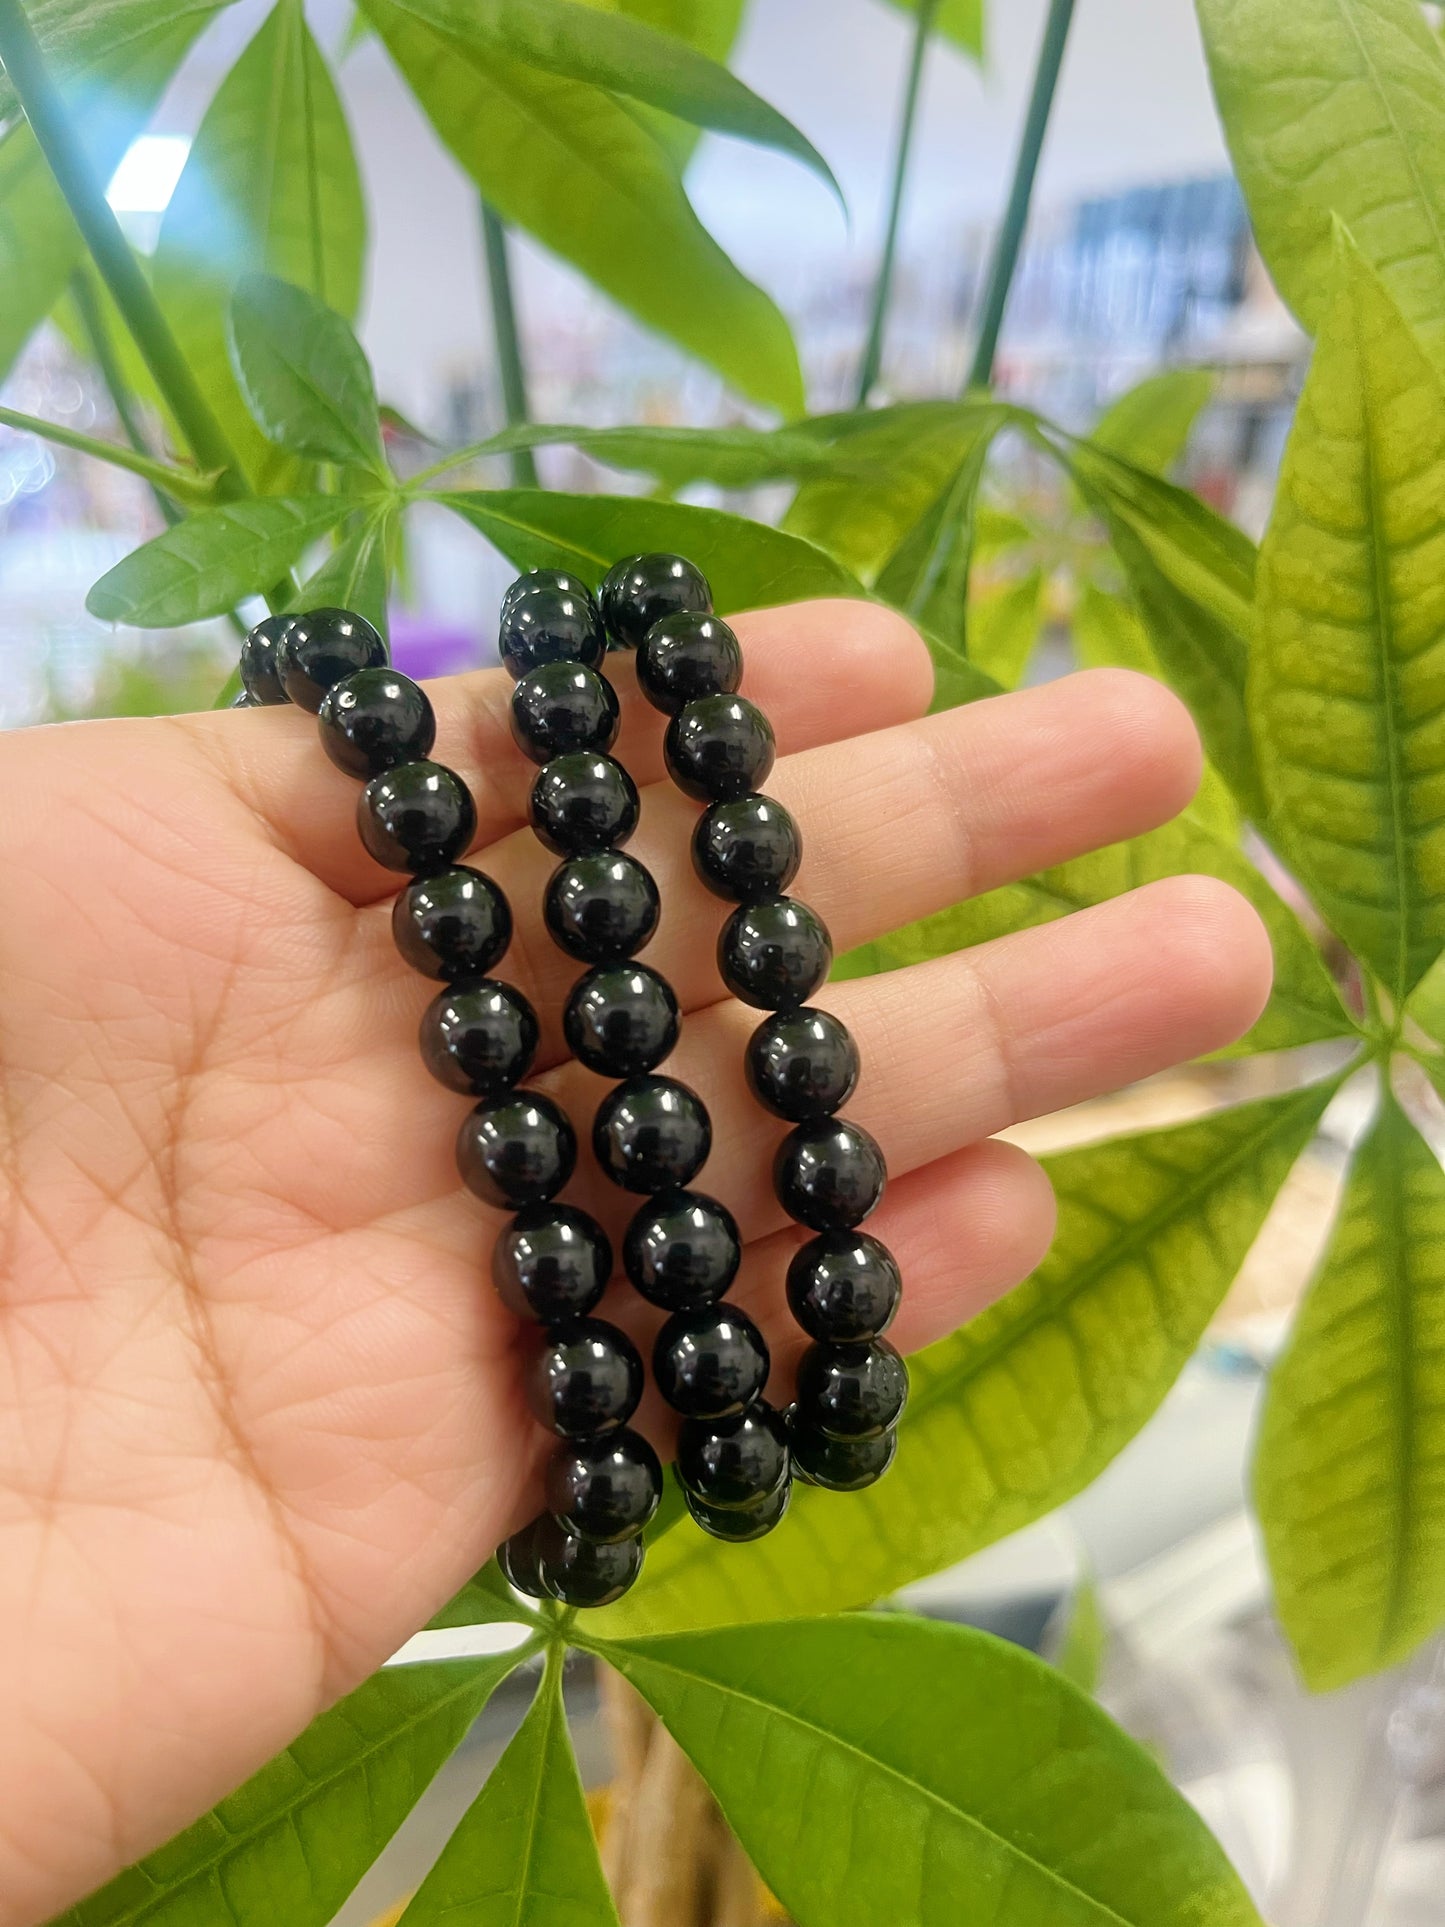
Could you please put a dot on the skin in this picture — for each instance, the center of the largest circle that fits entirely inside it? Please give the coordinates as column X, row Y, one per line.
column 260, row 1412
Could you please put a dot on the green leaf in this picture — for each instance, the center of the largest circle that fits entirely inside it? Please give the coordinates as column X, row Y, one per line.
column 211, row 561
column 270, row 186
column 524, row 1852
column 961, row 20
column 883, row 1768
column 295, row 1839
column 91, row 38
column 1085, row 1641
column 1427, row 1002
column 624, row 55
column 1337, row 108
column 183, row 484
column 303, row 374
column 1350, row 1476
column 484, row 1600
column 1150, row 423
column 711, row 26
column 40, row 245
column 354, row 575
column 748, row 564
column 1347, row 684
column 732, row 457
column 955, row 679
column 1304, row 1006
column 1022, row 1408
column 1192, row 578
column 579, row 170
column 1003, row 627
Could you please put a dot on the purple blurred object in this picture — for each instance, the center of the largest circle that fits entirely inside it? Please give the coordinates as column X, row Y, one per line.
column 423, row 648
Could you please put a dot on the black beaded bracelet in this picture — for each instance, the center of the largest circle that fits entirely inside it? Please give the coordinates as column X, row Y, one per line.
column 774, row 953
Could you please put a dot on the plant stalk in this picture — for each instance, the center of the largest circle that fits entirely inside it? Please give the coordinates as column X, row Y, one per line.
column 883, row 288
column 508, row 341
column 1016, row 214
column 110, row 251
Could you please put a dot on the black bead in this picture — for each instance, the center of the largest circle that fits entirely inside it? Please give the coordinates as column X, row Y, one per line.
column 651, row 1134
column 583, row 803
column 682, row 1250
column 517, row 1558
column 260, row 661
column 557, row 579
column 563, row 707
column 374, row 720
column 549, row 625
column 585, row 1380
column 323, row 647
column 603, row 908
column 243, row 699
column 741, row 1525
column 829, row 1175
column 479, row 1038
column 774, row 953
column 729, row 1462
column 621, row 1019
column 584, row 1572
column 851, row 1391
column 719, row 747
column 454, row 924
column 551, row 1263
column 516, row 1150
column 686, row 656
column 418, row 816
column 840, row 1465
column 843, row 1286
column 746, row 848
column 641, row 590
column 801, row 1064
column 710, row 1363
column 604, row 1489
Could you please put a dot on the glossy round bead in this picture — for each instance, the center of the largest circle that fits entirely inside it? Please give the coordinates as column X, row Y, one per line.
column 651, row 1134
column 682, row 1250
column 556, row 579
column 829, row 1175
column 730, row 1462
column 517, row 1558
column 621, row 1019
column 710, row 1363
column 479, row 1038
column 851, row 1391
column 740, row 1525
column 418, row 816
column 453, row 924
column 551, row 1263
column 719, row 747
column 374, row 720
column 260, row 661
column 843, row 1286
column 583, row 803
column 561, row 708
column 641, row 590
column 774, row 953
column 746, row 848
column 585, row 1380
column 322, row 648
column 549, row 625
column 601, row 909
column 584, row 1572
column 801, row 1064
column 686, row 656
column 604, row 1489
column 840, row 1465
column 516, row 1150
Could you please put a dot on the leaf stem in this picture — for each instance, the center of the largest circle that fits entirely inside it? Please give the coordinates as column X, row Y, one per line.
column 1016, row 214
column 883, row 287
column 197, row 490
column 76, row 179
column 508, row 341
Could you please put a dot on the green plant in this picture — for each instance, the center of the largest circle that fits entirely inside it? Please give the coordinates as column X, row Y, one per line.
column 1315, row 668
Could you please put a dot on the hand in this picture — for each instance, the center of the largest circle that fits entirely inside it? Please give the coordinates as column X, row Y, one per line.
column 260, row 1411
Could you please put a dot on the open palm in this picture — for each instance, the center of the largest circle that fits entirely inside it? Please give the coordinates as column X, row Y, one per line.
column 260, row 1412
